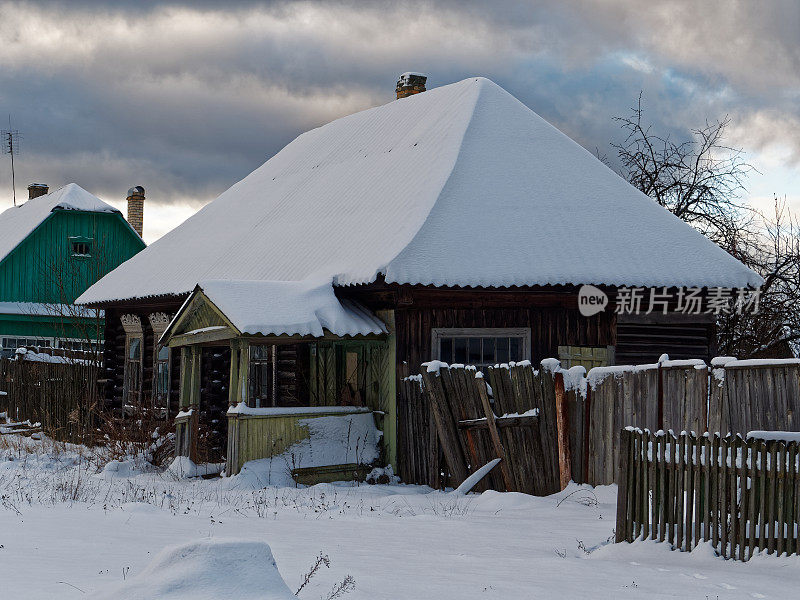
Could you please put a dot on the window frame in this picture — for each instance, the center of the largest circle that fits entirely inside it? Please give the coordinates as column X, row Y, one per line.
column 132, row 324
column 438, row 333
column 75, row 240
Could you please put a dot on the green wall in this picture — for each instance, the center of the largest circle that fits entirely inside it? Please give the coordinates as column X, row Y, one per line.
column 42, row 268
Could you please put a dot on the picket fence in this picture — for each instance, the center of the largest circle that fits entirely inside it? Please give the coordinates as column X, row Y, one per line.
column 742, row 496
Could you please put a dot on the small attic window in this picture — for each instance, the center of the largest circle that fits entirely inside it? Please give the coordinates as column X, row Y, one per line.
column 80, row 246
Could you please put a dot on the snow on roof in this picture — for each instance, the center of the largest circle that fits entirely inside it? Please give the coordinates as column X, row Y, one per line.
column 18, row 222
column 461, row 185
column 289, row 308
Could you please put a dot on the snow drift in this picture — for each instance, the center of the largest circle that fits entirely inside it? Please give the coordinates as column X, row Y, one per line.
column 206, row 570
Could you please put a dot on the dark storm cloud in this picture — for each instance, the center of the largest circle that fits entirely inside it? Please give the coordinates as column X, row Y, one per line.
column 187, row 97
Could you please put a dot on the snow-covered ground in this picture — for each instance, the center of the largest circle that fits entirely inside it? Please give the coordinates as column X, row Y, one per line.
column 69, row 529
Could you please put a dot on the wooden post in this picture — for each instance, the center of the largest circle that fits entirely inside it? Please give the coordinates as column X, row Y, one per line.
column 562, row 423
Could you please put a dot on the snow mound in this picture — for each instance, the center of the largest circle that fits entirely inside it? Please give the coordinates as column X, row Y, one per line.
column 206, row 570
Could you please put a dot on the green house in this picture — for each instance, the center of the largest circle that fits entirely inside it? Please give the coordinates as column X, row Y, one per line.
column 52, row 248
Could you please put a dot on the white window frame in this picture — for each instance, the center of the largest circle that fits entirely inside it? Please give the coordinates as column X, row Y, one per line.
column 438, row 333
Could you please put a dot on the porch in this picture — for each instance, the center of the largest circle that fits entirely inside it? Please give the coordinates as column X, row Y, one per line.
column 316, row 394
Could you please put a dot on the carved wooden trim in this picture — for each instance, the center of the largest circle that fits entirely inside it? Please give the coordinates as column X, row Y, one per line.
column 159, row 321
column 132, row 324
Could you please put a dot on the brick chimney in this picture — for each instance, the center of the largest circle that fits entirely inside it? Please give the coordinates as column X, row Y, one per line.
column 136, row 208
column 37, row 189
column 410, row 84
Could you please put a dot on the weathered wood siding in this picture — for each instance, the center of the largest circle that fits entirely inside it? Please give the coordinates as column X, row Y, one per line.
column 113, row 372
column 251, row 437
column 550, row 327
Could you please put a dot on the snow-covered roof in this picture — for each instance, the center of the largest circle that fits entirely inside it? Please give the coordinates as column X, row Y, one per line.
column 18, row 222
column 306, row 308
column 461, row 185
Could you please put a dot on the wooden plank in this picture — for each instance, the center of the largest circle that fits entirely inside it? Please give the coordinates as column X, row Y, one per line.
column 762, row 502
column 781, row 493
column 645, row 475
column 661, row 463
column 714, row 485
column 480, row 386
column 445, row 427
column 741, row 474
column 771, row 497
column 688, row 489
column 707, row 506
column 623, row 496
column 724, row 503
column 697, row 468
column 671, row 507
column 680, row 468
column 752, row 510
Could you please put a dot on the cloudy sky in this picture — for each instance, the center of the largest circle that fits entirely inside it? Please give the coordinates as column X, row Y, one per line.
column 186, row 98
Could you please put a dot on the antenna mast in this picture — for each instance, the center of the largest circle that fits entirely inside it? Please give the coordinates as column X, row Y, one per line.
column 11, row 138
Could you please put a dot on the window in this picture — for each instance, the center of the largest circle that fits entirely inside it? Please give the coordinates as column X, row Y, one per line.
column 80, row 246
column 134, row 339
column 263, row 381
column 133, row 371
column 481, row 347
column 161, row 363
column 161, row 390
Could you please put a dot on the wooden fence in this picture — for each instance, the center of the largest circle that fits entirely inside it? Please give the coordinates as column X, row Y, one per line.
column 741, row 496
column 456, row 424
column 418, row 447
column 60, row 396
column 729, row 396
column 669, row 395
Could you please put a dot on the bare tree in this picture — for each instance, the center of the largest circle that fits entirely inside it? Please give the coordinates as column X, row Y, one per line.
column 701, row 180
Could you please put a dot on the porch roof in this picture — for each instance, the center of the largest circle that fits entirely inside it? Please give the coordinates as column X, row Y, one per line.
column 273, row 308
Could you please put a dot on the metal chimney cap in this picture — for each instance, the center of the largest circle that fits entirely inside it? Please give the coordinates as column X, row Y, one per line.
column 136, row 191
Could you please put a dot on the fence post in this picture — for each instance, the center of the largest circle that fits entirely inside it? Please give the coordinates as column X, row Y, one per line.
column 562, row 437
column 621, row 533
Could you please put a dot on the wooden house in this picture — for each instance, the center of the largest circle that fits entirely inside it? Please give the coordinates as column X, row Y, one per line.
column 52, row 248
column 454, row 224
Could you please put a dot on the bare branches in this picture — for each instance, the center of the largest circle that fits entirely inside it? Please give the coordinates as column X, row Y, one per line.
column 701, row 180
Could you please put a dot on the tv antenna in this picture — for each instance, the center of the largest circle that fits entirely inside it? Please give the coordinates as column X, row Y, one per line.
column 11, row 139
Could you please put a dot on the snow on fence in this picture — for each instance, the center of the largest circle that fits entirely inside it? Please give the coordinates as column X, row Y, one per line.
column 520, row 424
column 741, row 496
column 61, row 396
column 682, row 395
